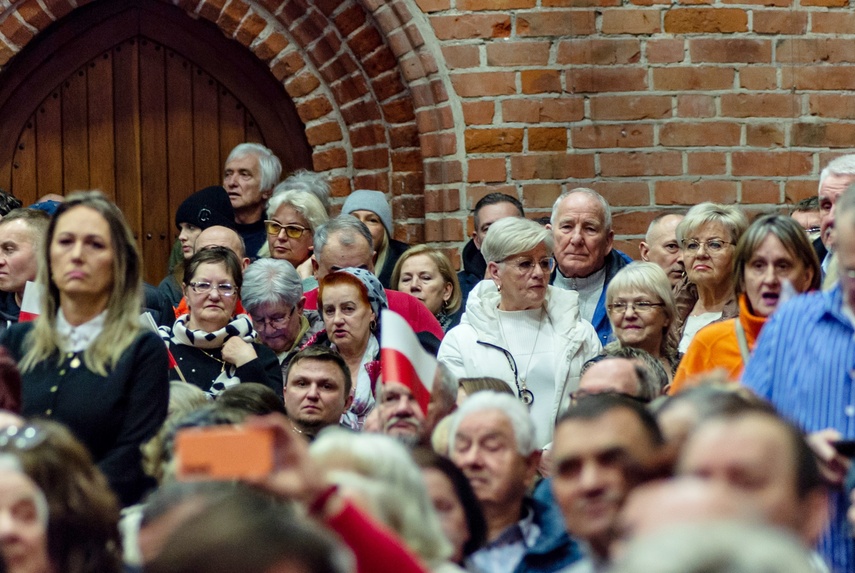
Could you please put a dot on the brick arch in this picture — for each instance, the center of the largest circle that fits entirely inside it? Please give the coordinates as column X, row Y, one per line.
column 375, row 108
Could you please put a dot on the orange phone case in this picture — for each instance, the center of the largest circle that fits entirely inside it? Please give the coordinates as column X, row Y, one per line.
column 223, row 453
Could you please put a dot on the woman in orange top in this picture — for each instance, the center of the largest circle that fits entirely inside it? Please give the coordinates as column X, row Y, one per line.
column 772, row 253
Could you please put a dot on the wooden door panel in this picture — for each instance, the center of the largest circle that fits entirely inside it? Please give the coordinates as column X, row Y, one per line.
column 153, row 156
column 138, row 99
column 25, row 174
column 102, row 172
column 126, row 126
column 179, row 131
column 231, row 123
column 206, row 157
column 75, row 140
column 48, row 121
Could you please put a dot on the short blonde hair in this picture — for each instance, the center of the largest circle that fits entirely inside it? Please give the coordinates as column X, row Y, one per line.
column 649, row 278
column 442, row 264
column 305, row 203
column 733, row 219
column 512, row 235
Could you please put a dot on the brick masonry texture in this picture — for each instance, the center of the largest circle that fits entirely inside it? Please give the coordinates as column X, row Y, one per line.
column 656, row 105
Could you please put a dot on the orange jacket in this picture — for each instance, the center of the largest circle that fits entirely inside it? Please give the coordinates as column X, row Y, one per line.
column 715, row 346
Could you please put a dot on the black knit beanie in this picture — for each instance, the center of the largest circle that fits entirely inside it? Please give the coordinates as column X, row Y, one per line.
column 207, row 208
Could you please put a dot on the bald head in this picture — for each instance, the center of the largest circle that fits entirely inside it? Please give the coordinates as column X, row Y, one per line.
column 611, row 375
column 218, row 236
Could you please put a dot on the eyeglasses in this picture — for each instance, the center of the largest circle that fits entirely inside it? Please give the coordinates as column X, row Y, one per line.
column 225, row 290
column 640, row 307
column 713, row 245
column 291, row 231
column 526, row 266
column 24, row 438
column 276, row 323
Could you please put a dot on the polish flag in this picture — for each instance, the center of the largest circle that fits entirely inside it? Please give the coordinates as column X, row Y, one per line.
column 31, row 302
column 404, row 360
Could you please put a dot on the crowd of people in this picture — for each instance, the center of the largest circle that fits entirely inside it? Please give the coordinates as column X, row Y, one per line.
column 690, row 411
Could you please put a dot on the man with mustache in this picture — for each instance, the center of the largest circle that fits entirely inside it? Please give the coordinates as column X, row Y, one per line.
column 401, row 416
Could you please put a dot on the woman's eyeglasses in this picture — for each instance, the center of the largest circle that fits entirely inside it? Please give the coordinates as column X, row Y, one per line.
column 22, row 438
column 275, row 323
column 225, row 290
column 291, row 231
column 713, row 245
column 640, row 307
column 526, row 266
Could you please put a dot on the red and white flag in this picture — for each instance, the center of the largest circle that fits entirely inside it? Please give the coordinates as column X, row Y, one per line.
column 404, row 360
column 31, row 302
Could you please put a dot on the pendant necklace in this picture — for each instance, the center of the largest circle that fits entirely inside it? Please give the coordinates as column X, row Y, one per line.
column 526, row 396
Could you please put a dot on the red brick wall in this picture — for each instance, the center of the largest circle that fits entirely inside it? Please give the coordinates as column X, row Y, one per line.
column 656, row 104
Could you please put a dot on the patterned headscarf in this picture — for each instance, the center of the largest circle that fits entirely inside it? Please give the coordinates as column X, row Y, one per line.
column 376, row 292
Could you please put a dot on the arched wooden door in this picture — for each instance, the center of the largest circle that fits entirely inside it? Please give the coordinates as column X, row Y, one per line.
column 138, row 99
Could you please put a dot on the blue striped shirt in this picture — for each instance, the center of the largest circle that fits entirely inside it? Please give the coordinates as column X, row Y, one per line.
column 804, row 364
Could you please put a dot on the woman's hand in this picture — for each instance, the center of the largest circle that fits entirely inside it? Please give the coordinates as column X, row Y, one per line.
column 238, row 352
column 832, row 465
column 305, row 269
column 295, row 475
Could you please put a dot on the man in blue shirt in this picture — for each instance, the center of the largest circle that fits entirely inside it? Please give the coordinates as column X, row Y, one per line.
column 804, row 363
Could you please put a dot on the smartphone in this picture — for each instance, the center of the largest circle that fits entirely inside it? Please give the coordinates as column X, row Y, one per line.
column 223, row 453
column 845, row 448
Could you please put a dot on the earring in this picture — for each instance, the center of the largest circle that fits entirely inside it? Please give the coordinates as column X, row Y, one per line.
column 499, row 287
column 372, row 326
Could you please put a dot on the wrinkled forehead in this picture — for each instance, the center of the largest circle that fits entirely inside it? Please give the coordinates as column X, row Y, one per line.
column 581, row 205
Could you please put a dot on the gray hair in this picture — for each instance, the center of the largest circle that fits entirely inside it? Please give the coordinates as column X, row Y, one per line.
column 512, row 235
column 715, row 546
column 388, row 463
column 843, row 165
column 648, row 278
column 348, row 227
column 271, row 167
column 607, row 210
column 733, row 219
column 305, row 203
column 651, row 374
column 446, row 390
column 11, row 463
column 311, row 182
column 846, row 202
column 510, row 406
column 270, row 281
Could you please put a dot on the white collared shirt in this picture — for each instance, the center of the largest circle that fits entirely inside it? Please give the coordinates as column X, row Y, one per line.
column 78, row 338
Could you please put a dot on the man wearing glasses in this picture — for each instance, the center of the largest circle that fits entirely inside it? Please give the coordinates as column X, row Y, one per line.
column 804, row 364
column 581, row 224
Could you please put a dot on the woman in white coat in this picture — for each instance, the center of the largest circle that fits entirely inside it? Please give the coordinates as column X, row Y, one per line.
column 519, row 329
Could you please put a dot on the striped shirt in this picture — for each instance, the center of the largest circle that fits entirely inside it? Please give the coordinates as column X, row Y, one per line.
column 804, row 363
